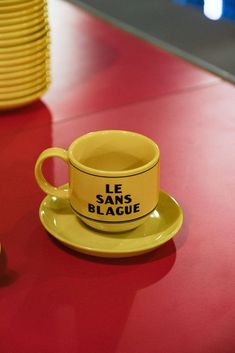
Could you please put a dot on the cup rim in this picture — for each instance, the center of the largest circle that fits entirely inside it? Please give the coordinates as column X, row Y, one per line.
column 106, row 173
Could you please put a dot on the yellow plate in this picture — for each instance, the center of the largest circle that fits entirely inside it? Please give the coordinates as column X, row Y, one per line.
column 41, row 71
column 22, row 68
column 15, row 8
column 20, row 102
column 23, row 93
column 59, row 220
column 34, row 82
column 25, row 50
column 23, row 13
column 12, row 2
column 25, row 65
column 18, row 34
column 24, row 73
column 25, row 46
column 20, row 27
column 12, row 43
column 40, row 55
column 13, row 21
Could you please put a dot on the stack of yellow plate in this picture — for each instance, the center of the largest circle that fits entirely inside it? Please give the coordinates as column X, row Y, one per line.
column 24, row 52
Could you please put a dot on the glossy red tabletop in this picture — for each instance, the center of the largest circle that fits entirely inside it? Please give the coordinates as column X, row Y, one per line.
column 176, row 299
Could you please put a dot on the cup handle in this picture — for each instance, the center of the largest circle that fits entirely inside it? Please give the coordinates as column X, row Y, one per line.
column 42, row 182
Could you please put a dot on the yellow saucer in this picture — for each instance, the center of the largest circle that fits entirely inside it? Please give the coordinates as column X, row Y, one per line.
column 14, row 42
column 13, row 21
column 15, row 62
column 20, row 6
column 23, row 92
column 38, row 72
column 59, row 220
column 24, row 66
column 30, row 23
column 12, row 2
column 36, row 82
column 42, row 43
column 21, row 33
column 20, row 102
column 22, row 13
column 26, row 46
column 17, row 74
column 23, row 29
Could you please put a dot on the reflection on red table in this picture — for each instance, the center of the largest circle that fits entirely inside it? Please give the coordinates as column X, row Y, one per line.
column 179, row 298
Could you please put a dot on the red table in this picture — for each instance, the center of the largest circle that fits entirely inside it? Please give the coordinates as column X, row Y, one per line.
column 177, row 299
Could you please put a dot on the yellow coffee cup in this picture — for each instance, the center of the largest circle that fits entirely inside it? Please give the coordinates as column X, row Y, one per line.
column 113, row 178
